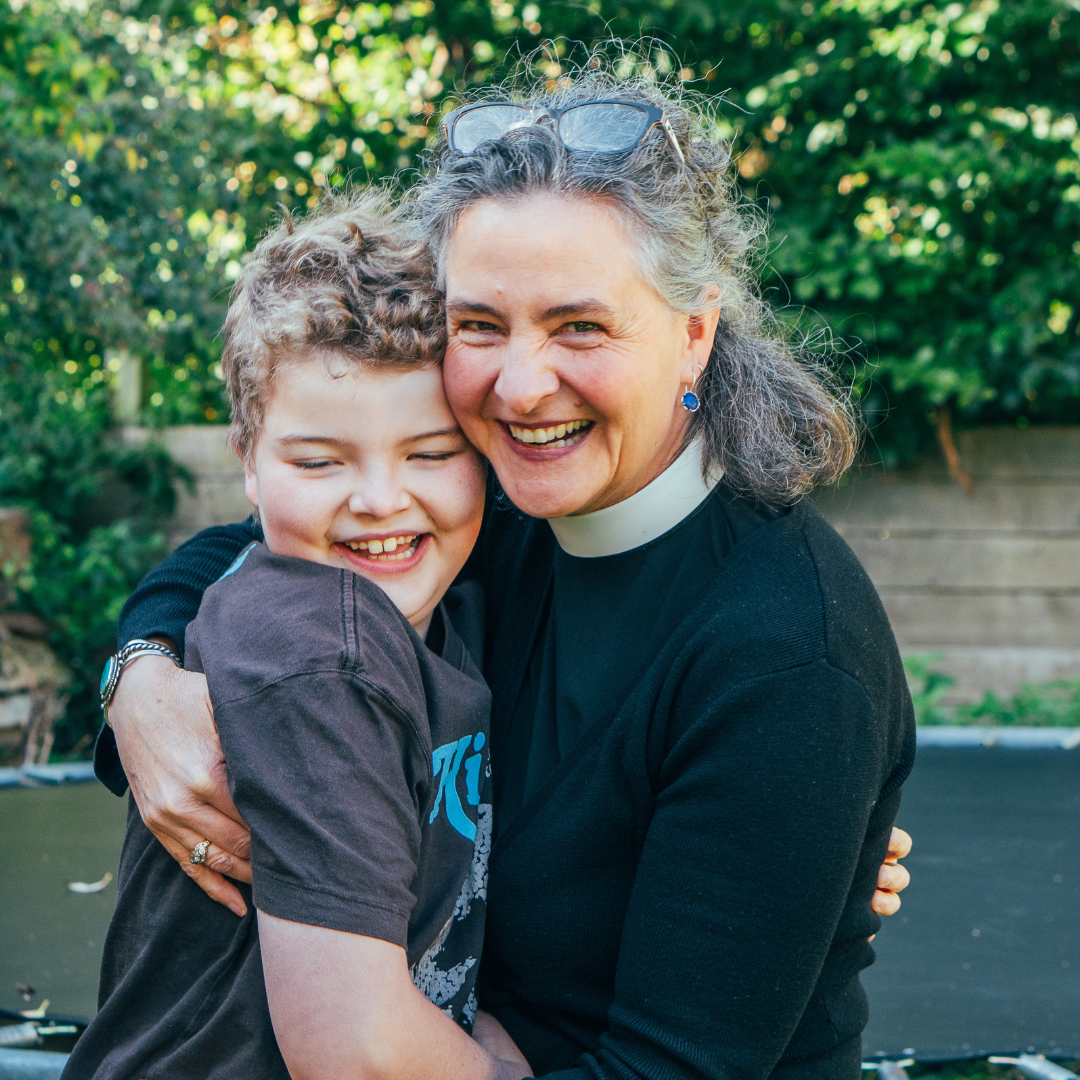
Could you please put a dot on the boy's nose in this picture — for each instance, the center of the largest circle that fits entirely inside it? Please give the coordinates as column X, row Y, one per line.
column 379, row 498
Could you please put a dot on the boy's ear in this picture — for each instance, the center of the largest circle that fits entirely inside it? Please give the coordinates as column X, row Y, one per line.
column 251, row 486
column 251, row 481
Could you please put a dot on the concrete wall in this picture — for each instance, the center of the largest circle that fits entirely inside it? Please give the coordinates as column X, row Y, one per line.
column 991, row 581
column 218, row 498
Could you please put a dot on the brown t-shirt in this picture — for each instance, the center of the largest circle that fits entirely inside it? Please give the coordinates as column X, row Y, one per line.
column 359, row 757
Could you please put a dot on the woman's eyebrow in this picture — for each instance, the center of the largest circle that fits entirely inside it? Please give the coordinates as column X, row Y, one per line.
column 589, row 306
column 471, row 307
column 582, row 307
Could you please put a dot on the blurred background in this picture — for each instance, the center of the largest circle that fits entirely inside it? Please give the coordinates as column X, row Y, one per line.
column 919, row 162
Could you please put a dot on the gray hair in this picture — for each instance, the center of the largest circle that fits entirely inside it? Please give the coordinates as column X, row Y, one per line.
column 769, row 416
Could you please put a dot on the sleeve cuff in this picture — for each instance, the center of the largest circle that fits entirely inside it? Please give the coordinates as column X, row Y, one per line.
column 107, row 765
column 285, row 900
column 173, row 629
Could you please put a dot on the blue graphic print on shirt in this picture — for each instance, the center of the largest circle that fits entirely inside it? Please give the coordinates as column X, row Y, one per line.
column 445, row 764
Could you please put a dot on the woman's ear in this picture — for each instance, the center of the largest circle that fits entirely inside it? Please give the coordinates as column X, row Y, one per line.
column 700, row 332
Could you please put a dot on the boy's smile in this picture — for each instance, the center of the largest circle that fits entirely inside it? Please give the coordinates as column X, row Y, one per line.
column 373, row 552
column 366, row 468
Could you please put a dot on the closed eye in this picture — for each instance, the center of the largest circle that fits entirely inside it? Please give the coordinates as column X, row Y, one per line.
column 435, row 455
column 310, row 465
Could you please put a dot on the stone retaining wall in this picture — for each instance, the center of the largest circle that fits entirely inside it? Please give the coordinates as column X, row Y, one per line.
column 991, row 581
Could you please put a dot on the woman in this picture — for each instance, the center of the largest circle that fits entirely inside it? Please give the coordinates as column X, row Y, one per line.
column 695, row 686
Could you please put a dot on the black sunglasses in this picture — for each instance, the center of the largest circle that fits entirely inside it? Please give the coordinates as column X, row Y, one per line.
column 605, row 127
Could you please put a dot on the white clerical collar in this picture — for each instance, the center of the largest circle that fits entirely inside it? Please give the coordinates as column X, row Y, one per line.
column 656, row 509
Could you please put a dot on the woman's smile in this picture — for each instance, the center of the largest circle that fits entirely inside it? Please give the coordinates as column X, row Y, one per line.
column 560, row 436
column 565, row 433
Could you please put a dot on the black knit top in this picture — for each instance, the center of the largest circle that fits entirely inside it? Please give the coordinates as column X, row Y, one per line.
column 687, row 892
column 603, row 622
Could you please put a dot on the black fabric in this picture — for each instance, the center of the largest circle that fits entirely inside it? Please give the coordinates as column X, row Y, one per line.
column 604, row 620
column 358, row 758
column 642, row 920
column 983, row 956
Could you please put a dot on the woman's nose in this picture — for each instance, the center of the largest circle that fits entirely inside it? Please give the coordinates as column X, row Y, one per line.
column 526, row 379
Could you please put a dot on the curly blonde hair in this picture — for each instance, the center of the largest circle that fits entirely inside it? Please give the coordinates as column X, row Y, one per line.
column 347, row 282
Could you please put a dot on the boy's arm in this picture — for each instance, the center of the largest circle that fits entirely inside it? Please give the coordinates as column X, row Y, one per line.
column 332, row 769
column 343, row 1006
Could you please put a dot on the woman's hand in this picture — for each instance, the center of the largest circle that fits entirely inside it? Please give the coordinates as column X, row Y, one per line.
column 495, row 1039
column 164, row 727
column 892, row 878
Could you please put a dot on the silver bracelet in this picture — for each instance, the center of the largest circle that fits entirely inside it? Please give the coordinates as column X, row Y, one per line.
column 114, row 666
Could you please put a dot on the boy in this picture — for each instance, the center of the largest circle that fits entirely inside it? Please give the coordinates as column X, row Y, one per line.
column 352, row 719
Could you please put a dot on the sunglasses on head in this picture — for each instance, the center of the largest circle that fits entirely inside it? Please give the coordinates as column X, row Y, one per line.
column 603, row 127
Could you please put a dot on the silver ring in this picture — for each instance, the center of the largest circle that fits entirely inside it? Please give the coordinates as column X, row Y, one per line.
column 198, row 856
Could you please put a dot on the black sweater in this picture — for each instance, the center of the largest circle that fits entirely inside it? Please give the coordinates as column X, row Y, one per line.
column 688, row 895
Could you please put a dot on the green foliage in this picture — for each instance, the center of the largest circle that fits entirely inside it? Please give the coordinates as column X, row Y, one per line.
column 929, row 199
column 93, row 507
column 1050, row 704
column 920, row 160
column 928, row 688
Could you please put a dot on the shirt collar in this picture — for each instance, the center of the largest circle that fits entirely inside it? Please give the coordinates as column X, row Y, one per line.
column 646, row 515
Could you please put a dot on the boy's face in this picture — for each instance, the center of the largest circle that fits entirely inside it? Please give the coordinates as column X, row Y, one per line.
column 368, row 471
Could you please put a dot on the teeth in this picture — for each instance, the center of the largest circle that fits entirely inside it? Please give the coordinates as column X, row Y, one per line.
column 542, row 436
column 386, row 547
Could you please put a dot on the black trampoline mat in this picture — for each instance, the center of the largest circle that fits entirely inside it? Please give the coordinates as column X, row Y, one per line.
column 984, row 956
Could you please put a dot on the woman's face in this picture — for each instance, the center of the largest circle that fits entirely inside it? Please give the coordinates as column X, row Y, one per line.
column 564, row 366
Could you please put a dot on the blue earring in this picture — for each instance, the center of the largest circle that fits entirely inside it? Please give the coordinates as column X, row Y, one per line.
column 690, row 401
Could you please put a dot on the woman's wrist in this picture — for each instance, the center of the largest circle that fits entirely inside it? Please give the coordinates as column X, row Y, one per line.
column 148, row 670
column 125, row 657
